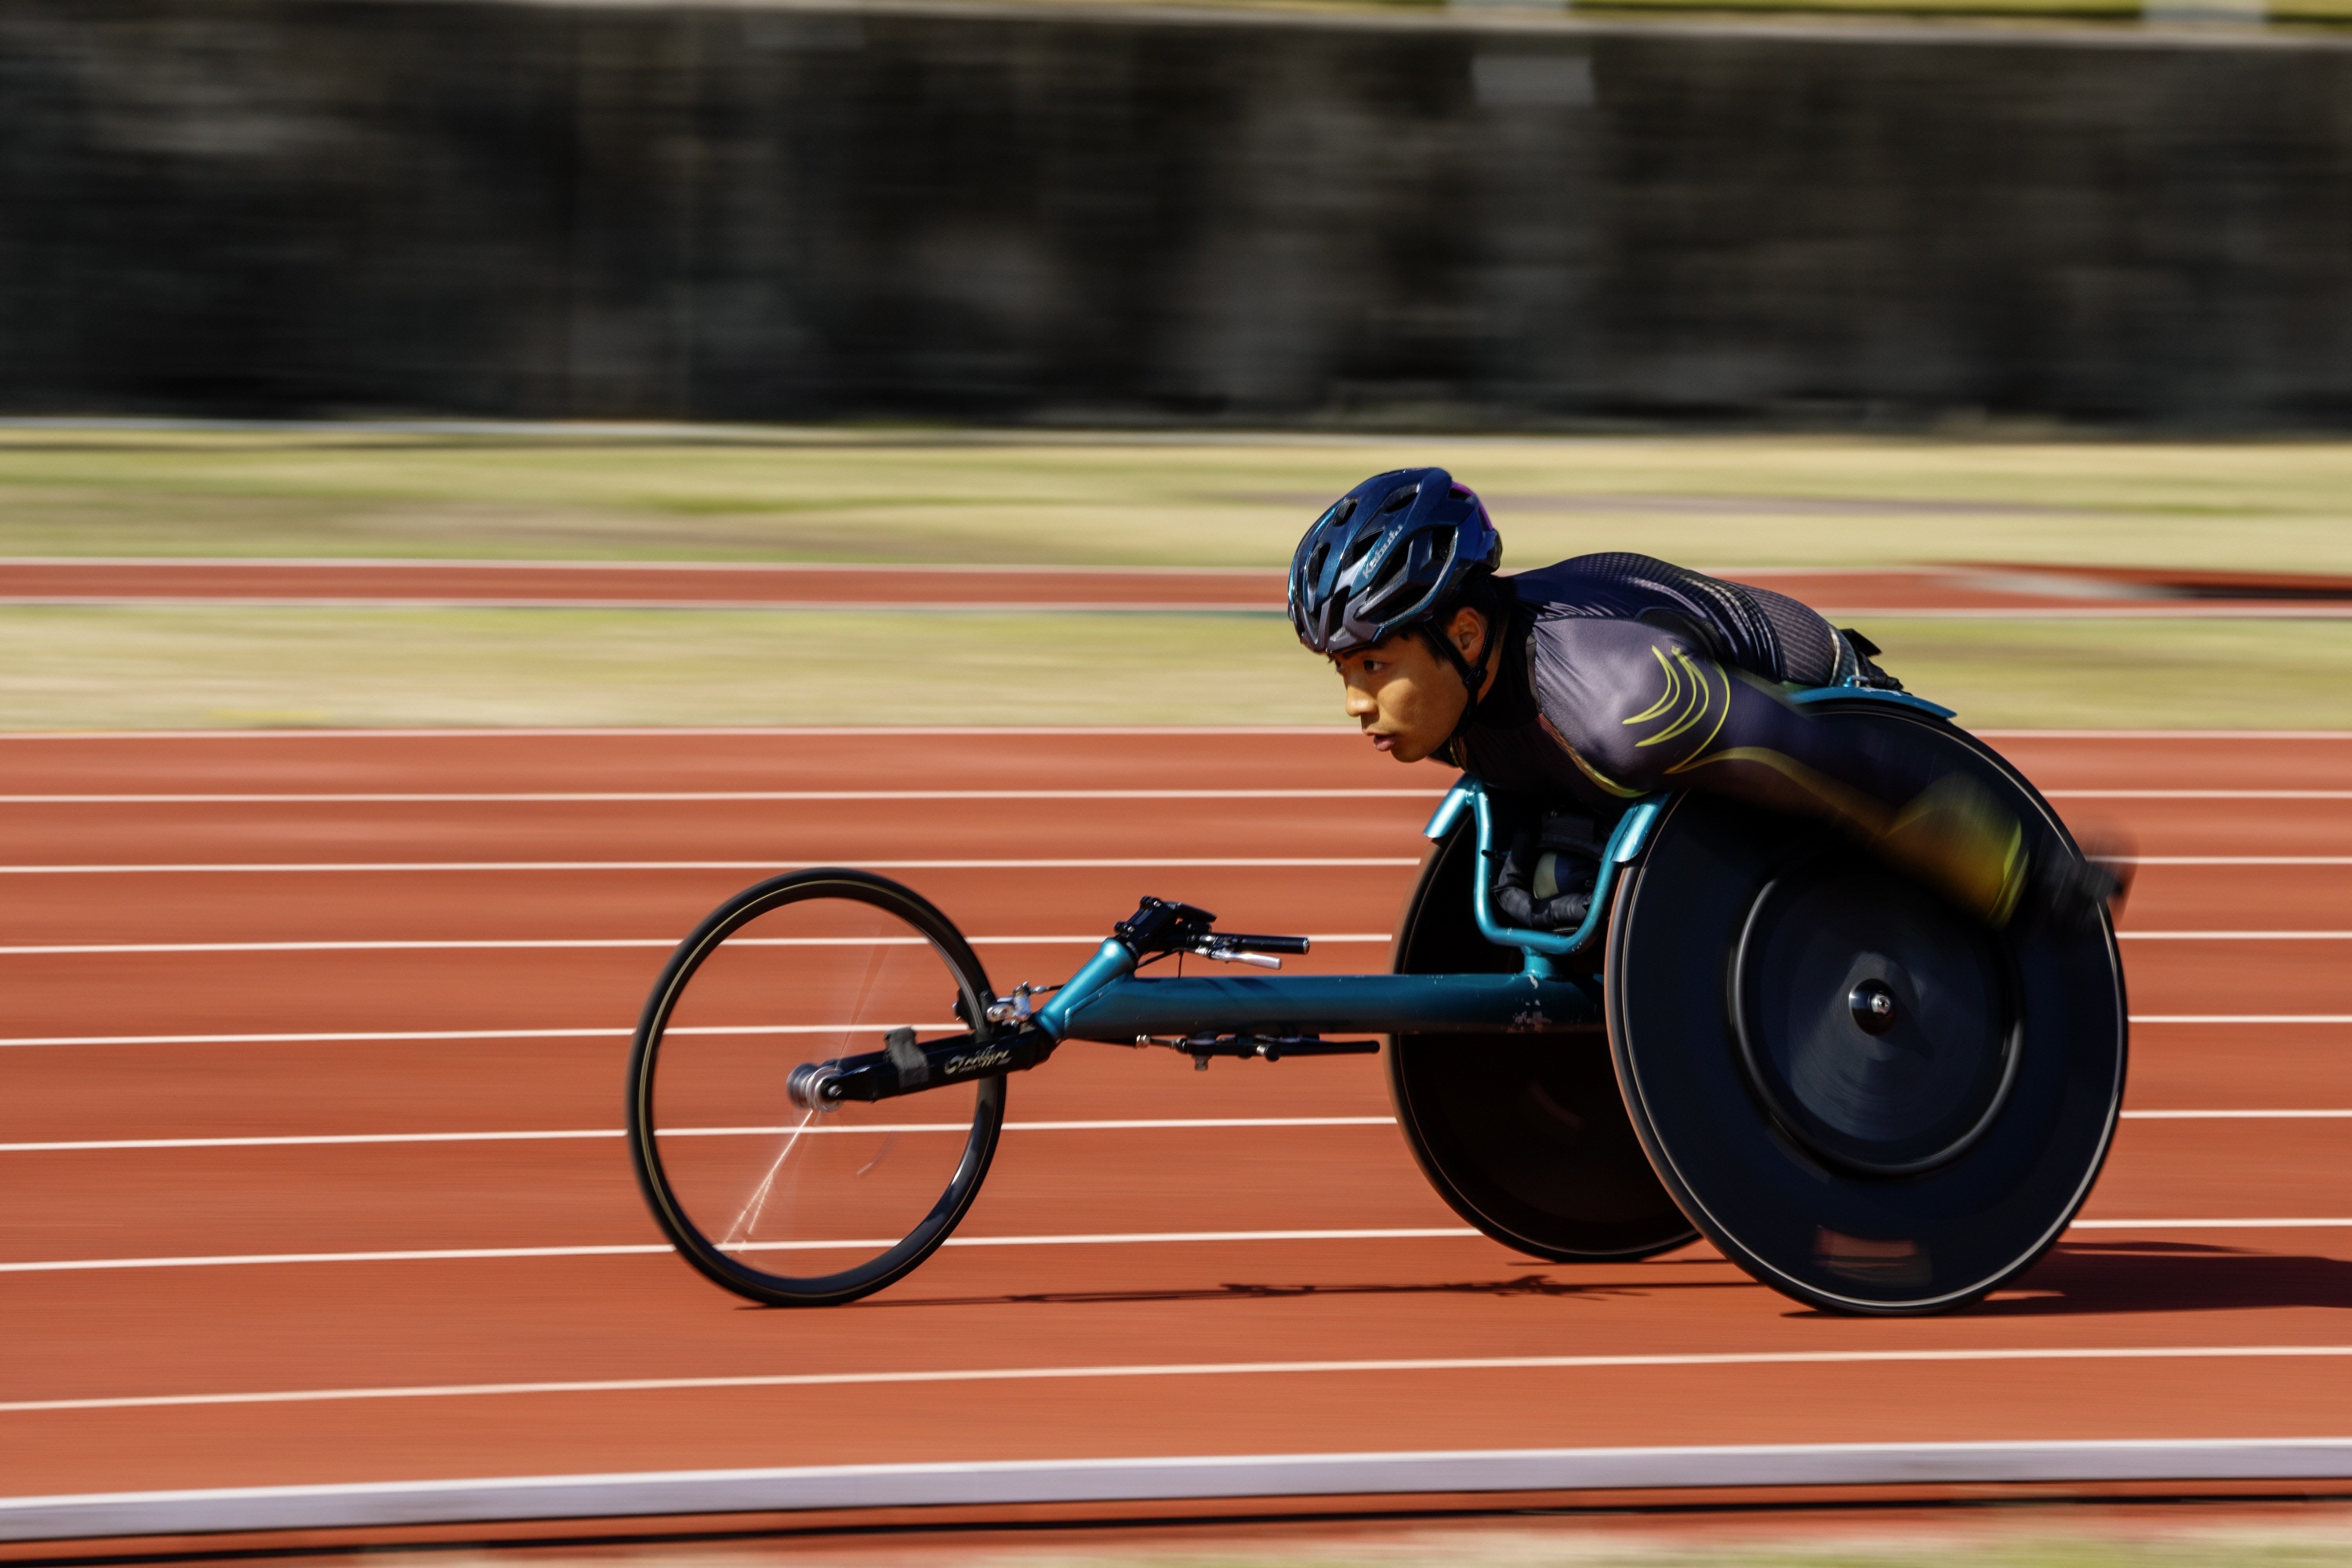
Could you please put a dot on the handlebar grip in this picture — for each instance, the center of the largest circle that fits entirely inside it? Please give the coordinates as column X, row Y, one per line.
column 1242, row 941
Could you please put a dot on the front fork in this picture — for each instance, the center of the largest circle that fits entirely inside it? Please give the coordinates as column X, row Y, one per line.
column 902, row 1066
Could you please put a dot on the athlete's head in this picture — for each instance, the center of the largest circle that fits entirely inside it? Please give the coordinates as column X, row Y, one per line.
column 1393, row 584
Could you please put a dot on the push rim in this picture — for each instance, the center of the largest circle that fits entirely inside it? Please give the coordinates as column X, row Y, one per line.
column 1987, row 1202
column 781, row 1204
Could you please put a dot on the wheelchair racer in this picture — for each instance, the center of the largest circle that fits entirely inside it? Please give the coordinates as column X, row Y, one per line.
column 1581, row 686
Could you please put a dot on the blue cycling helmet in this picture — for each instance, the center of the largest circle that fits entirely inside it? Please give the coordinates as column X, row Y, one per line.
column 1388, row 555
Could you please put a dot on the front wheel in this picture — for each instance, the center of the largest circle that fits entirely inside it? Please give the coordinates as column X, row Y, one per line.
column 784, row 1205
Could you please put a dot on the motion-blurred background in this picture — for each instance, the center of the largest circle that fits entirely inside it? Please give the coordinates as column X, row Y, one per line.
column 2009, row 283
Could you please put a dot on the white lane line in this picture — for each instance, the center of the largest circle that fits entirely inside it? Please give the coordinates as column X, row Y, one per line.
column 2205, row 936
column 1341, row 732
column 352, row 1036
column 492, row 944
column 363, row 1036
column 368, row 1034
column 1929, row 1357
column 2242, row 1017
column 2152, row 734
column 1154, row 863
column 1085, row 1238
column 320, row 1038
column 637, row 1249
column 2237, row 1115
column 2303, row 1224
column 471, row 568
column 564, row 797
column 2177, row 795
column 42, row 950
column 299, row 1140
column 2228, row 859
column 1139, row 1124
column 1337, row 732
column 1159, row 863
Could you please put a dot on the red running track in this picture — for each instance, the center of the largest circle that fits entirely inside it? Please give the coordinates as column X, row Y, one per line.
column 147, row 939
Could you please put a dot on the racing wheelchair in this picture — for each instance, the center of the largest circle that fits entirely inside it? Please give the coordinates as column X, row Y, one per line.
column 1865, row 1099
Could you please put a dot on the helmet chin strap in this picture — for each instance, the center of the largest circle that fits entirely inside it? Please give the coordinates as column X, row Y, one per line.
column 1474, row 675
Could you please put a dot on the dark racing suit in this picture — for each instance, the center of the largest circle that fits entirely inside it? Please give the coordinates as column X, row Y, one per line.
column 1621, row 675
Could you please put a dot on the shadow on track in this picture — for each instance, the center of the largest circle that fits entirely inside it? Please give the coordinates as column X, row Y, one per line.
column 2170, row 1277
column 2078, row 1279
column 1521, row 1285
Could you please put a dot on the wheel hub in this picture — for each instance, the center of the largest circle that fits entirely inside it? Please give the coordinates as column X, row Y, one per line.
column 1874, row 1006
column 1875, row 1023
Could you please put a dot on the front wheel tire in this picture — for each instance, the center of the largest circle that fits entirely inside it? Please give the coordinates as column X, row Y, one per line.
column 793, row 1207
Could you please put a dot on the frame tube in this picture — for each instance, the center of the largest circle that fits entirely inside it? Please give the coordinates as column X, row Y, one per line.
column 1124, row 1008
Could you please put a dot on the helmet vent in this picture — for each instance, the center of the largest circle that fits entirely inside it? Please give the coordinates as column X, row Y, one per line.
column 1374, row 599
column 1388, row 554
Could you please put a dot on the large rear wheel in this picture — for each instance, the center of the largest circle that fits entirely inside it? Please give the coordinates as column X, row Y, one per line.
column 1866, row 1097
column 1525, row 1136
column 783, row 1204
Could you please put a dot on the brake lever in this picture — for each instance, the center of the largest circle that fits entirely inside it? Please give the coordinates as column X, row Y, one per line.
column 1225, row 952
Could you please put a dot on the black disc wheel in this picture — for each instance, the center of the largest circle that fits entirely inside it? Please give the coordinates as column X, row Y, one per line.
column 780, row 1203
column 1525, row 1136
column 1866, row 1098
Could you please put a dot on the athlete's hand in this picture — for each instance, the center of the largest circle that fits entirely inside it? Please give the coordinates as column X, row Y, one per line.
column 2071, row 889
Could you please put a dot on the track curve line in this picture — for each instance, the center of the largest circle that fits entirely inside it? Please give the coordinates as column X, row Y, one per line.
column 1483, row 1471
column 1190, row 1369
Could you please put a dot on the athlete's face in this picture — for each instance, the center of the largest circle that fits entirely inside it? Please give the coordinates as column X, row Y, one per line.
column 1403, row 696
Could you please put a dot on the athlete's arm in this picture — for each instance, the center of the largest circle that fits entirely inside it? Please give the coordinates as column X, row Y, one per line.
column 1640, row 709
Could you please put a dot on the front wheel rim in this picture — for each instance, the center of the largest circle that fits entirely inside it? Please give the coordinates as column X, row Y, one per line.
column 745, row 1186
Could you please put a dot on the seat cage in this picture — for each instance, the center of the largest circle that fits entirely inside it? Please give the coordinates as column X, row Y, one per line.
column 1626, row 842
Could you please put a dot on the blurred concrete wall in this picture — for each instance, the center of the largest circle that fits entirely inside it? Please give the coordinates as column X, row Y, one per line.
column 789, row 212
